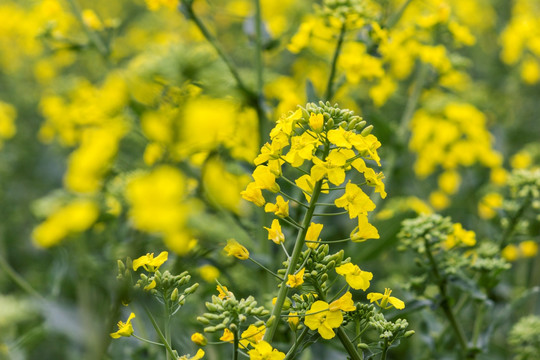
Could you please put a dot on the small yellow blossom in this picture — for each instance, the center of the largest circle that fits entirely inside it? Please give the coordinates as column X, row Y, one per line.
column 124, row 329
column 521, row 160
column 354, row 276
column 449, row 181
column 355, row 201
column 383, row 300
column 364, row 230
column 199, row 339
column 293, row 320
column 252, row 335
column 372, row 178
column 209, row 273
column 233, row 248
column 460, row 236
column 199, row 355
column 253, row 194
column 223, row 291
column 91, row 19
column 274, row 232
column 320, row 318
column 265, row 179
column 488, row 205
column 280, row 208
column 344, row 303
column 149, row 262
column 297, row 279
column 264, row 351
column 150, row 286
column 312, row 234
column 439, row 200
column 510, row 253
column 316, row 122
column 227, row 336
column 498, row 176
column 332, row 168
column 306, row 183
column 528, row 248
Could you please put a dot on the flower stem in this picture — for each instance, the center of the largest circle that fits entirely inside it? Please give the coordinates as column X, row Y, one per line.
column 445, row 304
column 298, row 341
column 146, row 340
column 330, row 85
column 235, row 345
column 170, row 352
column 265, row 268
column 297, row 250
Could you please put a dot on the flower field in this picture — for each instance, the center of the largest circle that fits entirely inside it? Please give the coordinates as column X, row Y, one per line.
column 269, row 180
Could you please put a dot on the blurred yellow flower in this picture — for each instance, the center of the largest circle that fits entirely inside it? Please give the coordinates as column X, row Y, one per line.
column 199, row 339
column 233, row 248
column 209, row 273
column 528, row 248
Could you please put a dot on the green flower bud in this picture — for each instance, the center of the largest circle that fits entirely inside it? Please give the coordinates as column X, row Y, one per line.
column 363, row 346
column 367, row 130
column 203, row 320
column 174, row 295
column 270, row 321
column 190, row 290
column 210, row 329
column 409, row 333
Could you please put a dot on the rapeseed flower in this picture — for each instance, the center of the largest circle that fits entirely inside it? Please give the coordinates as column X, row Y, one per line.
column 124, row 329
column 274, row 232
column 149, row 262
column 265, row 179
column 319, row 317
column 385, row 301
column 252, row 335
column 355, row 201
column 297, row 279
column 233, row 248
column 364, row 230
column 280, row 208
column 199, row 339
column 312, row 234
column 264, row 351
column 355, row 277
column 344, row 303
column 253, row 194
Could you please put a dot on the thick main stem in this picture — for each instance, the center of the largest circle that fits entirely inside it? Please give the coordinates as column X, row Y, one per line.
column 298, row 245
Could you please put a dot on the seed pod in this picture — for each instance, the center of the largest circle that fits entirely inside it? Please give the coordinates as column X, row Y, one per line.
column 363, row 346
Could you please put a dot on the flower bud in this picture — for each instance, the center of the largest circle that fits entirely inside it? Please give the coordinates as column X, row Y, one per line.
column 367, row 130
column 174, row 295
column 409, row 333
column 203, row 320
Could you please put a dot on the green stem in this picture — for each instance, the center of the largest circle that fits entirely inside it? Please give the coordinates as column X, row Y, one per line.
column 330, row 85
column 265, row 268
column 170, row 351
column 347, row 343
column 92, row 35
column 235, row 345
column 513, row 222
column 167, row 325
column 261, row 115
column 18, row 279
column 478, row 324
column 146, row 340
column 385, row 350
column 298, row 341
column 190, row 14
column 297, row 250
column 445, row 304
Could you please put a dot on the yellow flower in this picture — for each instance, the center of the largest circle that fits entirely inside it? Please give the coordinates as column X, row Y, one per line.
column 253, row 335
column 264, row 351
column 209, row 273
column 488, row 205
column 227, row 336
column 344, row 303
column 297, row 279
column 199, row 355
column 355, row 201
column 449, row 181
column 372, row 178
column 149, row 262
column 91, row 19
column 510, row 252
column 286, row 124
column 124, row 329
column 253, row 194
column 265, row 179
column 354, row 276
column 280, row 208
column 383, row 299
column 521, row 160
column 528, row 248
column 223, row 291
column 439, row 200
column 332, row 168
column 316, row 122
column 293, row 320
column 312, row 234
column 320, row 318
column 306, row 183
column 150, row 286
column 199, row 339
column 274, row 232
column 364, row 230
column 233, row 248
column 460, row 236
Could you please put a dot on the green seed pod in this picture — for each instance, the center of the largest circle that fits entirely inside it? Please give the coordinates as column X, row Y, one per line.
column 409, row 333
column 363, row 346
column 367, row 130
